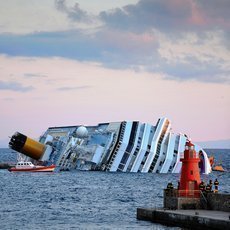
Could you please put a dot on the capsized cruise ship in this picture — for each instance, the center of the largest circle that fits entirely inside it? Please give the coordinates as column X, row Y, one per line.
column 127, row 146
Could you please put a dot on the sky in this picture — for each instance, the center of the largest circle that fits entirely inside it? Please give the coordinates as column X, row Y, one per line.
column 67, row 62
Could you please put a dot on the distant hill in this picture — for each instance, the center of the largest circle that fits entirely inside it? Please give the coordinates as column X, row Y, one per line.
column 219, row 144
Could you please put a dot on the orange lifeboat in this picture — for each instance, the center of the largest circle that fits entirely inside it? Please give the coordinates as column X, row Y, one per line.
column 215, row 167
column 218, row 168
column 211, row 160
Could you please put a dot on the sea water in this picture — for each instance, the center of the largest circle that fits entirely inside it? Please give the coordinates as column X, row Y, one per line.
column 86, row 200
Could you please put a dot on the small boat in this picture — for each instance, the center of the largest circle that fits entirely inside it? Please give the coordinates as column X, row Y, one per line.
column 218, row 168
column 22, row 166
column 211, row 160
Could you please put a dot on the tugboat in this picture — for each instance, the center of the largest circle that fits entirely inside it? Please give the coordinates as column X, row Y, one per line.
column 22, row 166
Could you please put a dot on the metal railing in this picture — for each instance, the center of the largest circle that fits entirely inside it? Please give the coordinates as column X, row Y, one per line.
column 182, row 193
column 203, row 200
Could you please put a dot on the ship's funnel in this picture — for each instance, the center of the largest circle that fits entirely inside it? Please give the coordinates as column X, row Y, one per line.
column 27, row 146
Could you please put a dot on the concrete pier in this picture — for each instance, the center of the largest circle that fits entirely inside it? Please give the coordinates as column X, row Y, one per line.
column 192, row 205
column 191, row 219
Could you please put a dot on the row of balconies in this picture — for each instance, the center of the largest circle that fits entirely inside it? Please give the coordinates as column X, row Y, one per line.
column 159, row 146
column 118, row 145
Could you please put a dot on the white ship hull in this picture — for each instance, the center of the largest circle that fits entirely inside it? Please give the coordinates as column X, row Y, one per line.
column 119, row 146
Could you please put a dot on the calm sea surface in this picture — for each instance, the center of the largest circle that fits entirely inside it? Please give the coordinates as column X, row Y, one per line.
column 86, row 200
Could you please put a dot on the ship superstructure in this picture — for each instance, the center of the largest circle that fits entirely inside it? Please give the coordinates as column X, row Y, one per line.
column 127, row 146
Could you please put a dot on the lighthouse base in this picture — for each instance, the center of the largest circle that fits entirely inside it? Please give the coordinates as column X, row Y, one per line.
column 173, row 201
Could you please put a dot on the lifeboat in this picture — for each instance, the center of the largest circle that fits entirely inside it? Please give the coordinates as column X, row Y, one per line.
column 218, row 168
column 215, row 167
column 29, row 167
column 211, row 160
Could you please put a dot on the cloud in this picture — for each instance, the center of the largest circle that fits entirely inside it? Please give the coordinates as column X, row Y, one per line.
column 70, row 44
column 14, row 86
column 179, row 38
column 74, row 13
column 170, row 16
column 73, row 88
column 8, row 99
column 34, row 75
column 110, row 48
column 192, row 56
column 194, row 70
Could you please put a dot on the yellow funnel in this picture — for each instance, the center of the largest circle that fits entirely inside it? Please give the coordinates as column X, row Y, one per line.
column 27, row 146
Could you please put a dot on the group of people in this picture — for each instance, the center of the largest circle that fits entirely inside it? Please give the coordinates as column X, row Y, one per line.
column 169, row 189
column 205, row 188
column 208, row 187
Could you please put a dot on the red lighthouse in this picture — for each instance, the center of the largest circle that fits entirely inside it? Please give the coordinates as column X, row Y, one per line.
column 190, row 173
